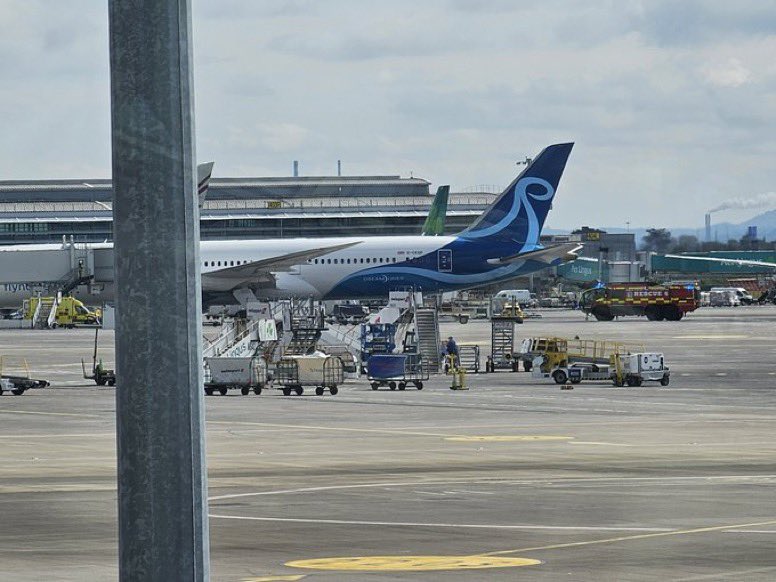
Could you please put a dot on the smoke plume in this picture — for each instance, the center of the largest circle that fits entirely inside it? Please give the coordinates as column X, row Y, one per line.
column 766, row 199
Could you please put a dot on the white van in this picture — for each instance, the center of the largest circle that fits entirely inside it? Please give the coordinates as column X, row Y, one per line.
column 522, row 296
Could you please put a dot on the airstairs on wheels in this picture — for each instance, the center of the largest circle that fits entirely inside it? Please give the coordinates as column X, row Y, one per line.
column 238, row 338
column 45, row 315
column 427, row 329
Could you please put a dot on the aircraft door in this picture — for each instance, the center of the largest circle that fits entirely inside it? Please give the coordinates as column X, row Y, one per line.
column 445, row 260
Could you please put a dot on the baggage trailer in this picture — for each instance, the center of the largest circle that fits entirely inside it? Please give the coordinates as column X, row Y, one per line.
column 396, row 371
column 244, row 374
column 324, row 372
column 18, row 384
column 469, row 357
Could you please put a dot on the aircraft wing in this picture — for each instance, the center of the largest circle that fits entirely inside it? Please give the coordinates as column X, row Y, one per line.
column 563, row 251
column 739, row 262
column 230, row 278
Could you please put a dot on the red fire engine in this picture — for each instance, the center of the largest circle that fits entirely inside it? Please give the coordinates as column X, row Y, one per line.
column 656, row 302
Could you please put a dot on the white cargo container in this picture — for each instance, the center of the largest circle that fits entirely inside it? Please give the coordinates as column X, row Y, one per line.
column 633, row 369
column 247, row 374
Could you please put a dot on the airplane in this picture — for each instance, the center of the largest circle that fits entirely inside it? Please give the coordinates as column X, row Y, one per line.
column 435, row 221
column 501, row 244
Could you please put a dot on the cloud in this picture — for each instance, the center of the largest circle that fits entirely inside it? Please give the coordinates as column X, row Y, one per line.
column 731, row 73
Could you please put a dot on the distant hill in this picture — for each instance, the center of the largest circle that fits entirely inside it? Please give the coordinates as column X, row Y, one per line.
column 765, row 223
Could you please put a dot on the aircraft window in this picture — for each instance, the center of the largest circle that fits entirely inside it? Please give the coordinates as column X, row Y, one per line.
column 362, row 260
column 219, row 263
column 206, row 263
column 335, row 261
column 348, row 261
column 394, row 259
column 316, row 261
column 381, row 259
column 367, row 260
column 328, row 261
column 231, row 263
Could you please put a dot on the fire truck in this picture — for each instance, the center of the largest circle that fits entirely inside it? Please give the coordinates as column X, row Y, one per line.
column 656, row 302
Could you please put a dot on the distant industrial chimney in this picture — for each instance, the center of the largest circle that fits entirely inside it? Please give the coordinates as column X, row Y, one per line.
column 296, row 168
column 339, row 167
column 708, row 227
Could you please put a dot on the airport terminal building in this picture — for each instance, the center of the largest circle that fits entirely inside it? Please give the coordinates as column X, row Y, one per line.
column 240, row 208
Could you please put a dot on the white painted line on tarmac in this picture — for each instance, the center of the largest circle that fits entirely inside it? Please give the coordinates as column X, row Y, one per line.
column 49, row 413
column 752, row 531
column 437, row 525
column 538, row 481
column 21, row 436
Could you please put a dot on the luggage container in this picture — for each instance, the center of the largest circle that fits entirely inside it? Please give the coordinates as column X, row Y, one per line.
column 324, row 372
column 244, row 374
column 396, row 371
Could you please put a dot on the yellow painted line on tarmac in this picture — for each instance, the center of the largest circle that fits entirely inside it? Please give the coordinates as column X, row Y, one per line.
column 411, row 563
column 49, row 413
column 508, row 438
column 679, row 532
column 710, row 337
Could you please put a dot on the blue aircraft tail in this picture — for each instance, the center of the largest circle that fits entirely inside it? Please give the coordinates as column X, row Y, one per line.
column 518, row 214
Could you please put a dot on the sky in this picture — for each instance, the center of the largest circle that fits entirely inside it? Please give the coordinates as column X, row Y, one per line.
column 672, row 105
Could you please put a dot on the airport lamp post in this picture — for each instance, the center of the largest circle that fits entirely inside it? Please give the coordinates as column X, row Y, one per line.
column 163, row 531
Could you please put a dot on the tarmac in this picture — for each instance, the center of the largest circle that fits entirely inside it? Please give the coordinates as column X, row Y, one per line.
column 513, row 479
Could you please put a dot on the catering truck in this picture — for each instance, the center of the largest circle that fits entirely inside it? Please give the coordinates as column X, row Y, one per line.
column 656, row 302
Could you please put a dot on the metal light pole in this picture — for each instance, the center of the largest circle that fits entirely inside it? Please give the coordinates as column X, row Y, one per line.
column 163, row 530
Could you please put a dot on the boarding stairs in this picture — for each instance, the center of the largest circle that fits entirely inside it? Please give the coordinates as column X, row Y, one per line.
column 427, row 330
column 502, row 343
column 238, row 338
column 45, row 316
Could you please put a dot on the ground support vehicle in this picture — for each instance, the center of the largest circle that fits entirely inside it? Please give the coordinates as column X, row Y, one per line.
column 68, row 311
column 293, row 373
column 635, row 369
column 18, row 384
column 101, row 375
column 656, row 302
column 723, row 298
column 570, row 359
column 396, row 371
column 469, row 357
column 502, row 344
column 243, row 374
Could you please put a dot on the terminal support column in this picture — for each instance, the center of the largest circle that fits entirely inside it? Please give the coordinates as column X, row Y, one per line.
column 163, row 530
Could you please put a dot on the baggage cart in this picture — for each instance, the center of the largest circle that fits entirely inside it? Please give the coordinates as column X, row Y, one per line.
column 396, row 371
column 469, row 357
column 243, row 374
column 322, row 371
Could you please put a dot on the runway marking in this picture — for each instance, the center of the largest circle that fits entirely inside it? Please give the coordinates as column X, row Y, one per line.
column 448, row 436
column 49, row 413
column 275, row 578
column 411, row 563
column 753, row 531
column 57, row 436
column 678, row 532
column 721, row 575
column 600, row 444
column 439, row 525
column 507, row 438
column 555, row 480
column 331, row 428
column 711, row 337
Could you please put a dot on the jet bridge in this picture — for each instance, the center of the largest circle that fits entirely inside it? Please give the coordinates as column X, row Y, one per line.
column 77, row 268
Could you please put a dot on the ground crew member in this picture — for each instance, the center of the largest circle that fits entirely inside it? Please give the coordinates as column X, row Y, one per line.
column 452, row 351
